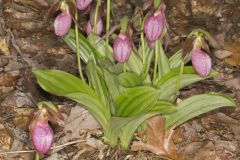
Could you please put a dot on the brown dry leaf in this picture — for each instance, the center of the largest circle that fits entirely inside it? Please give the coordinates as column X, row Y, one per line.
column 159, row 141
column 5, row 139
column 234, row 59
column 4, row 47
column 79, row 119
column 7, row 79
column 23, row 117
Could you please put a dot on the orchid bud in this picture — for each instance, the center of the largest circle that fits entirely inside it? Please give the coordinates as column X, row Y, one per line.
column 201, row 62
column 122, row 48
column 89, row 28
column 83, row 4
column 42, row 137
column 62, row 23
column 154, row 25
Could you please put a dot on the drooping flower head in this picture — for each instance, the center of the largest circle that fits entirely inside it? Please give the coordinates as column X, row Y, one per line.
column 62, row 24
column 122, row 48
column 83, row 4
column 154, row 25
column 40, row 132
column 63, row 21
column 201, row 62
column 89, row 28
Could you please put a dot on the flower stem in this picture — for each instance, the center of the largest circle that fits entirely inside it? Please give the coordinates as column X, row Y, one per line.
column 125, row 67
column 95, row 17
column 37, row 157
column 179, row 77
column 78, row 48
column 156, row 61
column 107, row 25
column 143, row 48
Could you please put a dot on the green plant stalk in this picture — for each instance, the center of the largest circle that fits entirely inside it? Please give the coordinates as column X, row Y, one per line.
column 37, row 157
column 78, row 48
column 179, row 77
column 156, row 61
column 143, row 48
column 107, row 25
column 95, row 17
column 125, row 67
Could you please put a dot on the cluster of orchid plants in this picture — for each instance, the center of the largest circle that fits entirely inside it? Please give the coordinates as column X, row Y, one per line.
column 118, row 84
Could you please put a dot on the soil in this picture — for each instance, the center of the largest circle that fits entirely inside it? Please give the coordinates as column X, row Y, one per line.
column 27, row 42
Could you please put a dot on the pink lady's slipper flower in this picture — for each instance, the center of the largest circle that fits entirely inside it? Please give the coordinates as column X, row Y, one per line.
column 154, row 25
column 201, row 62
column 62, row 23
column 42, row 137
column 122, row 48
column 40, row 132
column 89, row 28
column 83, row 4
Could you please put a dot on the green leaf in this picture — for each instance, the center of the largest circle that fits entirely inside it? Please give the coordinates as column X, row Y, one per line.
column 146, row 67
column 129, row 79
column 167, row 84
column 96, row 82
column 175, row 60
column 195, row 106
column 117, row 123
column 100, row 46
column 134, row 64
column 164, row 107
column 59, row 83
column 124, row 127
column 136, row 101
column 131, row 126
column 86, row 48
column 95, row 106
column 112, row 83
column 163, row 64
column 64, row 84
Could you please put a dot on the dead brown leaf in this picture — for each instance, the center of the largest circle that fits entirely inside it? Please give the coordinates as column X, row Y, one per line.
column 234, row 59
column 4, row 47
column 5, row 139
column 159, row 141
column 79, row 119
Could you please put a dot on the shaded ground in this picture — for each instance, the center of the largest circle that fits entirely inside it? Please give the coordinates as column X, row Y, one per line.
column 27, row 42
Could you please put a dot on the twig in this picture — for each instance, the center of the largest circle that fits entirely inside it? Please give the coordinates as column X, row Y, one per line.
column 55, row 147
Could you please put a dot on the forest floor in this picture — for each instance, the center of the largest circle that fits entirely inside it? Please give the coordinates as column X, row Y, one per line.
column 27, row 42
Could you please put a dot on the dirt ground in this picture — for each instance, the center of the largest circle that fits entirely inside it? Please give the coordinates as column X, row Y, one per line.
column 27, row 42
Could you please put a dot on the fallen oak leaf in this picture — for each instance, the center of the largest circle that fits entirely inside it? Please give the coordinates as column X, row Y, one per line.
column 234, row 59
column 159, row 141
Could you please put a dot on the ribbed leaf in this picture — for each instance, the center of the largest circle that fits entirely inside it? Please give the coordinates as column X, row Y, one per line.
column 131, row 126
column 96, row 82
column 175, row 60
column 134, row 64
column 124, row 127
column 64, row 84
column 164, row 107
column 59, row 83
column 86, row 48
column 195, row 106
column 161, row 107
column 163, row 64
column 100, row 46
column 112, row 83
column 167, row 84
column 136, row 101
column 129, row 79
